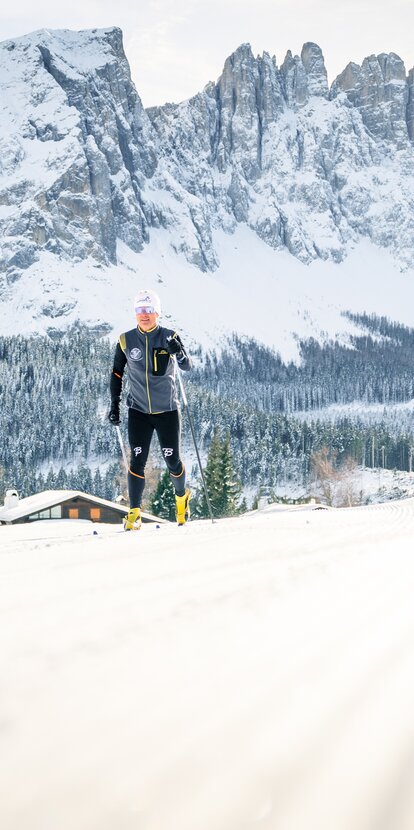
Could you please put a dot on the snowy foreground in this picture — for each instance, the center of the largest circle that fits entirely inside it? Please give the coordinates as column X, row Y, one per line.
column 258, row 673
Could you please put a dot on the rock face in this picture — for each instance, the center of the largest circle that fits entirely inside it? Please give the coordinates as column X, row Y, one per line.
column 314, row 65
column 309, row 169
column 410, row 105
column 75, row 148
column 380, row 91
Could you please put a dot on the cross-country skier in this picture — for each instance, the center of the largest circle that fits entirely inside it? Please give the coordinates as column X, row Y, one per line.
column 147, row 351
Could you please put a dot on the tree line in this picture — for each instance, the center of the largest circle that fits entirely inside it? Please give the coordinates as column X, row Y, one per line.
column 376, row 366
column 54, row 400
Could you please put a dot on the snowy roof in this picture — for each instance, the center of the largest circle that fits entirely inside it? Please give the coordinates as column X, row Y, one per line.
column 50, row 498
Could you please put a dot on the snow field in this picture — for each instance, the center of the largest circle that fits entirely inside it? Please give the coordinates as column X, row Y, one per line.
column 258, row 672
column 257, row 292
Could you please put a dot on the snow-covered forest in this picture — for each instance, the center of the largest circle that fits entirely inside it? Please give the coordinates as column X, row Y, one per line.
column 55, row 398
column 375, row 367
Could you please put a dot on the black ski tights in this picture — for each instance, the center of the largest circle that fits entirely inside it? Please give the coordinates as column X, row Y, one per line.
column 141, row 426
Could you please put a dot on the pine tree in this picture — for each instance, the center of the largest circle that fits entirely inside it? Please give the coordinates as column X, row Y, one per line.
column 221, row 479
column 84, row 479
column 50, row 482
column 212, row 477
column 98, row 487
column 61, row 481
column 255, row 502
column 162, row 502
column 230, row 486
column 112, row 488
column 40, row 484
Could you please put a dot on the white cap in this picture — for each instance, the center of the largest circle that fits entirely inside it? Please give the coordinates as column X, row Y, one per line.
column 148, row 297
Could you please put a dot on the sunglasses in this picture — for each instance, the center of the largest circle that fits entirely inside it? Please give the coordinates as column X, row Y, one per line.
column 145, row 309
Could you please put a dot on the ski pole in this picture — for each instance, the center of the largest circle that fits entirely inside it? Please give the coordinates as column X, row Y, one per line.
column 185, row 402
column 122, row 445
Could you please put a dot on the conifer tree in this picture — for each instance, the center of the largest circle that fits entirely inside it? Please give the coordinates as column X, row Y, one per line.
column 50, row 482
column 213, row 469
column 84, row 479
column 162, row 502
column 230, row 486
column 98, row 487
column 221, row 479
column 212, row 477
column 255, row 502
column 61, row 481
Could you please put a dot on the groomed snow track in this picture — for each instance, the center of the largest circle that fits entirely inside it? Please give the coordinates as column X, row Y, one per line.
column 258, row 672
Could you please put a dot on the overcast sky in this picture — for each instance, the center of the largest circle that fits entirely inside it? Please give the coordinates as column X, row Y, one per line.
column 175, row 47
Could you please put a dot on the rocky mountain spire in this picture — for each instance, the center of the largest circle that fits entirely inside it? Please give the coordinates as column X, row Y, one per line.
column 379, row 90
column 314, row 66
column 239, row 130
column 294, row 80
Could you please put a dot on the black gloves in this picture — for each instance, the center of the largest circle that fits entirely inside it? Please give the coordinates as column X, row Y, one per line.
column 174, row 344
column 113, row 415
column 175, row 347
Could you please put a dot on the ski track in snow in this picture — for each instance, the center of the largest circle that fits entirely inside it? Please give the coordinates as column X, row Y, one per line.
column 254, row 673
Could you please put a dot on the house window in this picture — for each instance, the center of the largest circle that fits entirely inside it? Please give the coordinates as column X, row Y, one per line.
column 73, row 512
column 95, row 514
column 56, row 512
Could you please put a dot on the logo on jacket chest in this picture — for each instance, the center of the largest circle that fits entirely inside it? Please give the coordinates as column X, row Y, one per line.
column 135, row 354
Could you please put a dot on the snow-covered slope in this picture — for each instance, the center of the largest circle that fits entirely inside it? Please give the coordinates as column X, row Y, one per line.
column 251, row 192
column 258, row 672
column 270, row 296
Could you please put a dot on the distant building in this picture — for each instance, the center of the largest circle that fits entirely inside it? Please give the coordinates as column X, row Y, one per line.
column 64, row 504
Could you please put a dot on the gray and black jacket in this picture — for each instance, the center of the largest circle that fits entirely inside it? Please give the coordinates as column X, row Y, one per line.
column 151, row 369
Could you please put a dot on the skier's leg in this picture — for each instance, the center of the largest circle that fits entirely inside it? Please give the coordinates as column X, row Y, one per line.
column 168, row 432
column 140, row 431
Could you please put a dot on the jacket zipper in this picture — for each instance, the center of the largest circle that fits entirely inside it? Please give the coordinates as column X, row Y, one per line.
column 148, row 392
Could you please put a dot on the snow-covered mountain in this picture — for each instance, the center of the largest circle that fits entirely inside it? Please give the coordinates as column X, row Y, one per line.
column 309, row 170
column 266, row 181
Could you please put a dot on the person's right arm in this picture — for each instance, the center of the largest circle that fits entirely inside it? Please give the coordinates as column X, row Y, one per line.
column 116, row 384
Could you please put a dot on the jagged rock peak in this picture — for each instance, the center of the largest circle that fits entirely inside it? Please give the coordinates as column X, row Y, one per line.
column 294, row 80
column 314, row 65
column 379, row 89
column 243, row 52
column 297, row 80
column 84, row 50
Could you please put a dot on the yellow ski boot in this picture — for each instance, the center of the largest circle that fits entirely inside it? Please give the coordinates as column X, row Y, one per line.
column 183, row 507
column 133, row 520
